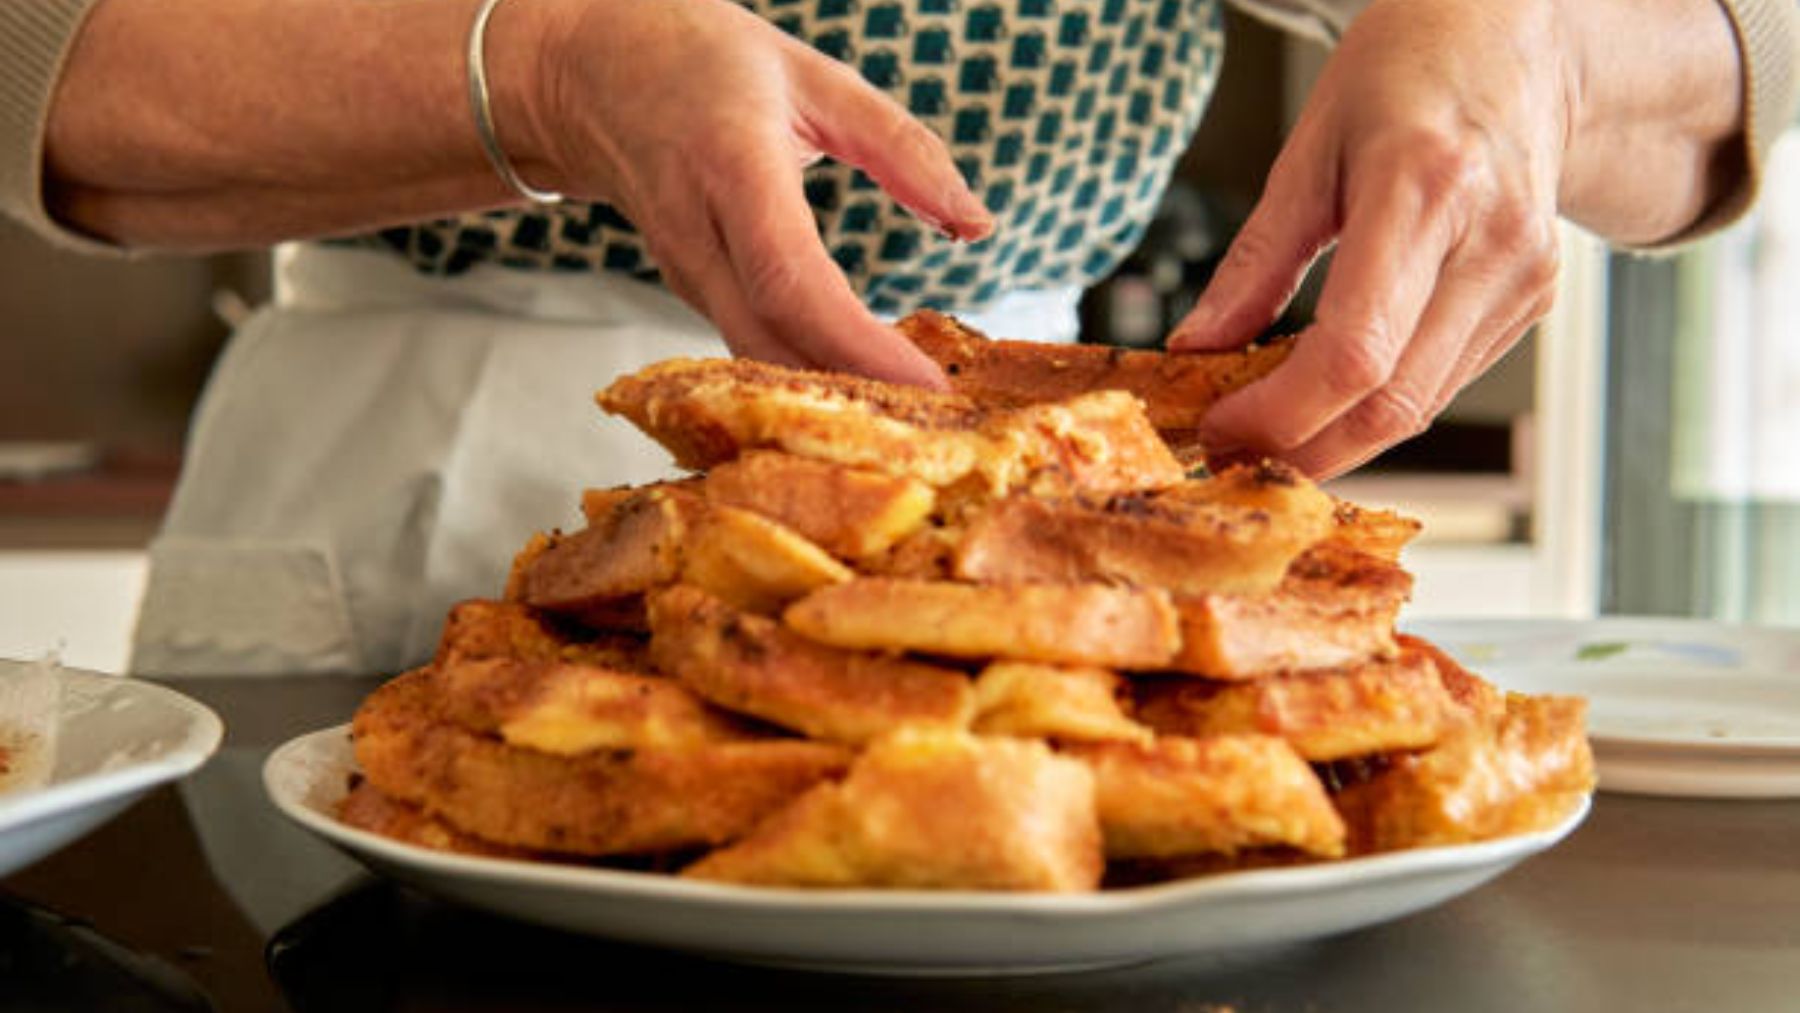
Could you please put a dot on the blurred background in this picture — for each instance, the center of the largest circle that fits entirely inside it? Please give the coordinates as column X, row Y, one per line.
column 1639, row 452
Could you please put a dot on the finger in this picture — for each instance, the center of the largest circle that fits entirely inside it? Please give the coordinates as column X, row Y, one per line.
column 1381, row 279
column 1463, row 314
column 1480, row 357
column 697, row 271
column 846, row 117
column 722, row 303
column 1265, row 263
column 1537, row 293
column 792, row 288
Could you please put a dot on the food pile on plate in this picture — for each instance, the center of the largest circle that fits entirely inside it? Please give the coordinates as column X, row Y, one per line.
column 996, row 639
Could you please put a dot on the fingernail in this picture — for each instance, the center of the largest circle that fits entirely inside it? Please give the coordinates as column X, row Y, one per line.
column 937, row 225
column 1193, row 328
column 973, row 219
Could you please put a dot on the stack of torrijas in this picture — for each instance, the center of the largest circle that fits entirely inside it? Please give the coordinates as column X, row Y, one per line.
column 993, row 639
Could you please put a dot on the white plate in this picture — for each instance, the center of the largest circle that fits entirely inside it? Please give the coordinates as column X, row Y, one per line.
column 913, row 932
column 116, row 739
column 1675, row 706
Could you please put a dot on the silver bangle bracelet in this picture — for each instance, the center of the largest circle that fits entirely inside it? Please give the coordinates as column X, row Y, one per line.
column 484, row 112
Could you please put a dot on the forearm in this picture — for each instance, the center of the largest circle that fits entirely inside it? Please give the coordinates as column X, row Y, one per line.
column 215, row 123
column 1656, row 115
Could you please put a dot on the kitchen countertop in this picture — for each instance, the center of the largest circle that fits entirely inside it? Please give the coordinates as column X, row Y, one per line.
column 202, row 896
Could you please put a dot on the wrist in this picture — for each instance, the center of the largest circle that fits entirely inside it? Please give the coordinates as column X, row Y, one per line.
column 1656, row 91
column 519, row 35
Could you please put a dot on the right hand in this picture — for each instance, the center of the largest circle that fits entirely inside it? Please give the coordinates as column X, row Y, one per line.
column 695, row 118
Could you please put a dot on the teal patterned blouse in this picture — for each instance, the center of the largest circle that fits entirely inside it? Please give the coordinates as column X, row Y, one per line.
column 1066, row 116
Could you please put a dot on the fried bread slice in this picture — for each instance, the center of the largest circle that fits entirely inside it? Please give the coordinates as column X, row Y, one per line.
column 755, row 665
column 598, row 504
column 663, row 535
column 1266, row 485
column 849, row 512
column 569, row 709
column 1334, row 608
column 1375, row 707
column 606, row 803
column 935, row 810
column 710, row 411
column 368, row 808
column 1232, row 533
column 1077, row 624
column 1066, row 703
column 927, row 554
column 1099, row 442
column 593, row 574
column 1379, row 533
column 753, row 562
column 481, row 629
column 1525, row 770
column 1473, row 696
column 1177, row 390
column 1224, row 793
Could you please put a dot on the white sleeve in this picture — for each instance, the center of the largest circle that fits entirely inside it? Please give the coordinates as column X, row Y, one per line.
column 1320, row 20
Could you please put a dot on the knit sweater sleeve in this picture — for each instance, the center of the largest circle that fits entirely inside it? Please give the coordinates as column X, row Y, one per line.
column 1768, row 37
column 35, row 36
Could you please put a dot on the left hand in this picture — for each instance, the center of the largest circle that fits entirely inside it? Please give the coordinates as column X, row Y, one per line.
column 1430, row 153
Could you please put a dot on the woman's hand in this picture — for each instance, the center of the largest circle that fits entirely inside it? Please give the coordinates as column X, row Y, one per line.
column 225, row 123
column 695, row 119
column 1435, row 153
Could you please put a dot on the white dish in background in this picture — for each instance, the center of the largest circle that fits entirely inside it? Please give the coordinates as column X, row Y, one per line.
column 905, row 932
column 116, row 738
column 1675, row 706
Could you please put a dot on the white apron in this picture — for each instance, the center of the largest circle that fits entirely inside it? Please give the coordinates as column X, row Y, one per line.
column 375, row 446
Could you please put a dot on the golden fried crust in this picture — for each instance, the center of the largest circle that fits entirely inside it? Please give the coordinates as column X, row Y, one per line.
column 1376, row 707
column 849, row 512
column 1230, row 534
column 1523, row 771
column 1077, row 624
column 708, row 411
column 927, row 554
column 1334, row 608
column 711, row 411
column 1098, row 442
column 596, row 804
column 570, row 709
column 1473, row 695
column 1287, row 496
column 637, row 547
column 598, row 504
column 1379, row 533
column 1226, row 793
column 480, row 629
column 665, row 534
column 755, row 665
column 1065, row 703
column 753, row 562
column 935, row 810
column 1177, row 389
column 366, row 808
